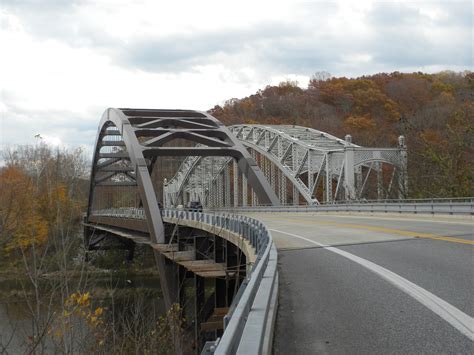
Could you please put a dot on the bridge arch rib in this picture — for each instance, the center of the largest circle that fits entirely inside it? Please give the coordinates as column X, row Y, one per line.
column 309, row 159
column 147, row 134
column 115, row 123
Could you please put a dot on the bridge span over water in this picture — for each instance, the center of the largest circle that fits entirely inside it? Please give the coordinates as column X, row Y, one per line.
column 303, row 245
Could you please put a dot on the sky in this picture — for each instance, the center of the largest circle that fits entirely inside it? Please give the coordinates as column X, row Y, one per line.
column 63, row 62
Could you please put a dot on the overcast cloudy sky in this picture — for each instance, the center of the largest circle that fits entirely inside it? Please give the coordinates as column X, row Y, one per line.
column 63, row 62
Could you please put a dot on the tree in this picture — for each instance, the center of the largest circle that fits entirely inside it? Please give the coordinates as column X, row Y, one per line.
column 42, row 197
column 376, row 110
column 317, row 79
column 446, row 163
column 21, row 223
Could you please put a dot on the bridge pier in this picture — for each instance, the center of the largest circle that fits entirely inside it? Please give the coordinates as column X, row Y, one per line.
column 131, row 251
column 199, row 297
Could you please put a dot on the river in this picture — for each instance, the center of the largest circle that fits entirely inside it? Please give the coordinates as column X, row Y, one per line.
column 131, row 306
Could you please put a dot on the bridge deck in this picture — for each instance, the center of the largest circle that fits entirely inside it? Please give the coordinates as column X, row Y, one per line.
column 345, row 299
column 187, row 258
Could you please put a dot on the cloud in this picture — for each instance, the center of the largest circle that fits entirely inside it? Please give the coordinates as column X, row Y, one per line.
column 408, row 36
column 391, row 35
column 304, row 37
column 64, row 62
column 45, row 19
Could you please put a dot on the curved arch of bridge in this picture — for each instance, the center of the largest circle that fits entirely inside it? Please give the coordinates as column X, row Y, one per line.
column 143, row 135
column 304, row 156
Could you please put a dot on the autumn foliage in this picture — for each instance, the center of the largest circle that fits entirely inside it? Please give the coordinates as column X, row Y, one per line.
column 434, row 111
column 22, row 224
column 39, row 197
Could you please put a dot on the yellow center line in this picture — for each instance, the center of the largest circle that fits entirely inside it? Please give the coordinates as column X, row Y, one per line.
column 380, row 229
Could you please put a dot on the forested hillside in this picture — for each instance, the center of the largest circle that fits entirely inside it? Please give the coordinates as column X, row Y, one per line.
column 434, row 111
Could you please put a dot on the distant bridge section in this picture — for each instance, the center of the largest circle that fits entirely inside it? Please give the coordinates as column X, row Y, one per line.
column 302, row 165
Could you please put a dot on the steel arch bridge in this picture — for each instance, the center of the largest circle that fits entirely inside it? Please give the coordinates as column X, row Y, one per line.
column 303, row 165
column 240, row 165
column 128, row 143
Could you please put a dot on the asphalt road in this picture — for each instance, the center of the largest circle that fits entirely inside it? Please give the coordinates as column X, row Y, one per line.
column 373, row 285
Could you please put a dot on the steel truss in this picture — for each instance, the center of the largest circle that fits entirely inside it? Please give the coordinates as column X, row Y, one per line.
column 304, row 158
column 129, row 140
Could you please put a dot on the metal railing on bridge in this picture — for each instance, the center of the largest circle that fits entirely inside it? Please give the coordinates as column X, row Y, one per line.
column 449, row 206
column 249, row 322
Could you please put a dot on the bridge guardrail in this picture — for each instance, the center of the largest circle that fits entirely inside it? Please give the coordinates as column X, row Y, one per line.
column 248, row 324
column 449, row 206
column 410, row 200
column 246, row 328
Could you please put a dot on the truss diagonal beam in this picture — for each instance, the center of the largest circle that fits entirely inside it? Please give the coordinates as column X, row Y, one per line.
column 298, row 150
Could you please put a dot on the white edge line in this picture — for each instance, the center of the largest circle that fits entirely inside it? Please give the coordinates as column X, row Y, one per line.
column 458, row 319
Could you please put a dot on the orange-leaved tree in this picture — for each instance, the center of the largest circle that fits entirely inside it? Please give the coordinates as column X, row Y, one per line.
column 22, row 224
